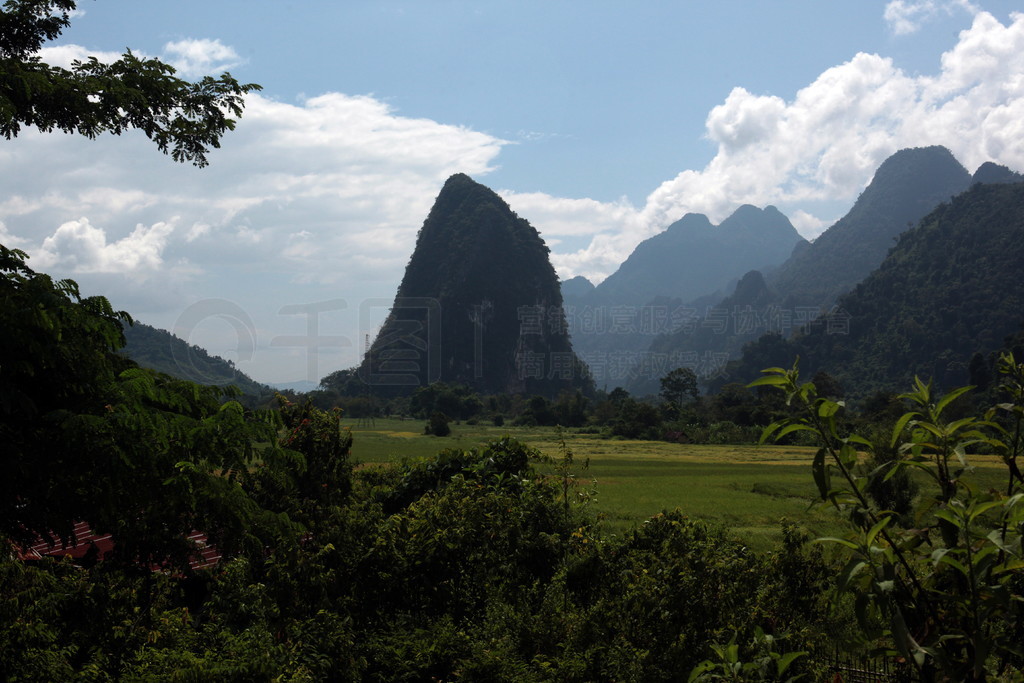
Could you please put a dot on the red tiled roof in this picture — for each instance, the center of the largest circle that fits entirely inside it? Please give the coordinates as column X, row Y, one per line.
column 205, row 556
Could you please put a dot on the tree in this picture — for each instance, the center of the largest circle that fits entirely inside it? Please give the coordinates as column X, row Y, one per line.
column 438, row 425
column 184, row 119
column 57, row 359
column 87, row 436
column 679, row 387
column 79, row 423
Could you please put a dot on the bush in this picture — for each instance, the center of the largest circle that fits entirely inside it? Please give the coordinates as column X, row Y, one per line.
column 438, row 425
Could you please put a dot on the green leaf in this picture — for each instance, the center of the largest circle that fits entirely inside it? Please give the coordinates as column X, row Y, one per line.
column 946, row 558
column 877, row 528
column 849, row 572
column 841, row 541
column 786, row 660
column 951, row 517
column 900, row 425
column 827, row 409
column 769, row 430
column 854, row 438
column 793, row 427
column 981, row 508
column 768, row 380
column 848, row 456
column 700, row 670
column 950, row 397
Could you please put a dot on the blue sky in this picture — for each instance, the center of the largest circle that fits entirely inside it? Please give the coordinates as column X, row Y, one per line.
column 600, row 122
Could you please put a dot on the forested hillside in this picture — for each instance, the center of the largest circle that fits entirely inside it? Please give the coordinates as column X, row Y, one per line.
column 164, row 352
column 950, row 288
column 906, row 187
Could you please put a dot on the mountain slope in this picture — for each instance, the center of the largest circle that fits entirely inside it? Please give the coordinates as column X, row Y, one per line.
column 713, row 336
column 164, row 352
column 949, row 288
column 479, row 304
column 907, row 186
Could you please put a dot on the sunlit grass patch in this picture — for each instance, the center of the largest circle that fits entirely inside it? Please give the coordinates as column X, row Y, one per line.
column 751, row 489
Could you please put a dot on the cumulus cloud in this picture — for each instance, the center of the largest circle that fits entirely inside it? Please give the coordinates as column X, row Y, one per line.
column 80, row 247
column 616, row 228
column 66, row 55
column 191, row 57
column 325, row 195
column 10, row 240
column 822, row 147
column 316, row 199
column 201, row 57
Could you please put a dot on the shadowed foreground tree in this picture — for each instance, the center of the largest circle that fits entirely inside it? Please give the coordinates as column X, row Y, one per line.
column 184, row 119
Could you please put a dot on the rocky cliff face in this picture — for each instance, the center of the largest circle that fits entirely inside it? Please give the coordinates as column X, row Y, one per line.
column 479, row 305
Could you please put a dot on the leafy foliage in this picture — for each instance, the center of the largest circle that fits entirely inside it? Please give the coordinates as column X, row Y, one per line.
column 679, row 387
column 183, row 119
column 947, row 593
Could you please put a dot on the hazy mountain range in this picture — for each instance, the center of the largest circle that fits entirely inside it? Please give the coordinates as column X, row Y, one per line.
column 706, row 333
column 880, row 294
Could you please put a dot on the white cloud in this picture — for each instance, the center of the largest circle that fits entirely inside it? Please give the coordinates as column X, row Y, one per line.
column 191, row 57
column 809, row 225
column 616, row 227
column 9, row 240
column 201, row 57
column 80, row 247
column 322, row 198
column 907, row 16
column 307, row 201
column 823, row 146
column 196, row 231
column 65, row 55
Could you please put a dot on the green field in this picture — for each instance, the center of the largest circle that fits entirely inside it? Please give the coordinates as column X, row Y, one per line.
column 750, row 489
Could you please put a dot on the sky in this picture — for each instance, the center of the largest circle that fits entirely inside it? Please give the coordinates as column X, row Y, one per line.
column 599, row 122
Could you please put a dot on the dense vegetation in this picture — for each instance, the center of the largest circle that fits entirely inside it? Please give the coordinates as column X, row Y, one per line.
column 164, row 352
column 484, row 563
column 906, row 187
column 949, row 291
column 473, row 564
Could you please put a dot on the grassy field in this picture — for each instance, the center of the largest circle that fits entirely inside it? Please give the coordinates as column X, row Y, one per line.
column 750, row 489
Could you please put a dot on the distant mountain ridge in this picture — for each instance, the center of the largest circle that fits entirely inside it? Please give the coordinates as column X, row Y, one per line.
column 693, row 257
column 690, row 264
column 906, row 187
